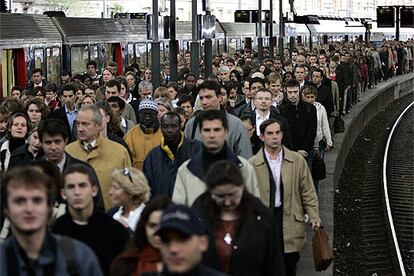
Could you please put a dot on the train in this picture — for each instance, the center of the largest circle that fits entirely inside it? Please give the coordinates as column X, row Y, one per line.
column 29, row 41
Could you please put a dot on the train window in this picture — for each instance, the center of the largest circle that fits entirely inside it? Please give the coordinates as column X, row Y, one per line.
column 140, row 54
column 130, row 56
column 53, row 64
column 79, row 58
column 94, row 53
column 39, row 58
column 232, row 46
column 162, row 51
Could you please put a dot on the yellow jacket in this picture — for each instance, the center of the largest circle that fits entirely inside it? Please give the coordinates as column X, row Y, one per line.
column 104, row 158
column 140, row 143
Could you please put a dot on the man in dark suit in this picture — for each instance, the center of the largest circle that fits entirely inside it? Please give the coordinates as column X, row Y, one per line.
column 37, row 79
column 265, row 110
column 54, row 136
column 67, row 113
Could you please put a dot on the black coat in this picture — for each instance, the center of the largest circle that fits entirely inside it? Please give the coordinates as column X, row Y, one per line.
column 105, row 236
column 325, row 98
column 21, row 156
column 302, row 124
column 161, row 171
column 256, row 250
column 61, row 114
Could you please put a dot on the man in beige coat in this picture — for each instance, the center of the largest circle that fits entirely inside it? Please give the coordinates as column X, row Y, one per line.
column 99, row 152
column 189, row 183
column 286, row 186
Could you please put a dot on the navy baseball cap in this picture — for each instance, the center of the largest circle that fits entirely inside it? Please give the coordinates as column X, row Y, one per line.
column 183, row 219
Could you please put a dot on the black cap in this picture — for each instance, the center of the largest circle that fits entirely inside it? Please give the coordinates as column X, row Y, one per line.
column 182, row 218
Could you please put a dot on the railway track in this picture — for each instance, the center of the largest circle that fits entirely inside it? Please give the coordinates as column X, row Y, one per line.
column 374, row 208
column 387, row 203
column 398, row 174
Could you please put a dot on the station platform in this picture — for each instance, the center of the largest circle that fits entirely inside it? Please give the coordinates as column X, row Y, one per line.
column 372, row 102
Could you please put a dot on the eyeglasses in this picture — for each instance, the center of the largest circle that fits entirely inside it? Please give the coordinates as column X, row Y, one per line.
column 219, row 198
column 126, row 172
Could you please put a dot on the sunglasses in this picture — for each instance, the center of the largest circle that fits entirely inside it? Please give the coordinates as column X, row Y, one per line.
column 126, row 172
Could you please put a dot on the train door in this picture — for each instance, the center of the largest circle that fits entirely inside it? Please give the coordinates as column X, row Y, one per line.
column 13, row 70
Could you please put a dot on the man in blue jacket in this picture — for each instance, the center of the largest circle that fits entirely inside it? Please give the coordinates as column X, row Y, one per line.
column 162, row 163
column 27, row 196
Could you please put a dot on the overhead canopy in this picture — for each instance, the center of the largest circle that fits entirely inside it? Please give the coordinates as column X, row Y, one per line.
column 21, row 30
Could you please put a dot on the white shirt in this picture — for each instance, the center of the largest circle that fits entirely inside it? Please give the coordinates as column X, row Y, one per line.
column 133, row 216
column 260, row 120
column 276, row 168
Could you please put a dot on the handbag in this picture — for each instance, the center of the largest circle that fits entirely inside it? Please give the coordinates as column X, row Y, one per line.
column 318, row 168
column 339, row 125
column 322, row 252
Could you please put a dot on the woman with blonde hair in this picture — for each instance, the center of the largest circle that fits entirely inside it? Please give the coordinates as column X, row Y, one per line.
column 129, row 193
column 164, row 106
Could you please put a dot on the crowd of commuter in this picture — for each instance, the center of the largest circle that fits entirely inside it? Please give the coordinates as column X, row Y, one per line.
column 204, row 176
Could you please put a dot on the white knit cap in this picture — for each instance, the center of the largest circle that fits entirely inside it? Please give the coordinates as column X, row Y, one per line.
column 148, row 104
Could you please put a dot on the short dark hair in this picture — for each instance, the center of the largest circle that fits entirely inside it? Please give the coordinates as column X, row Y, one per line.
column 185, row 98
column 69, row 87
column 269, row 122
column 223, row 172
column 210, row 85
column 92, row 62
column 173, row 114
column 257, row 79
column 118, row 100
column 53, row 127
column 83, row 169
column 319, row 71
column 210, row 115
column 292, row 83
column 309, row 89
column 51, row 87
column 37, row 70
column 66, row 73
column 113, row 83
column 29, row 177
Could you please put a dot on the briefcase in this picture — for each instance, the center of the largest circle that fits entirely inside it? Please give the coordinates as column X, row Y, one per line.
column 322, row 252
column 318, row 168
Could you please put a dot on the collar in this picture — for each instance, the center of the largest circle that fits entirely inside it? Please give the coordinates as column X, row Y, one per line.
column 68, row 111
column 167, row 149
column 86, row 145
column 279, row 156
column 195, row 166
column 266, row 116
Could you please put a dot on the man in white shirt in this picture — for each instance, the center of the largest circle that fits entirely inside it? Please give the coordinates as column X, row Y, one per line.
column 286, row 186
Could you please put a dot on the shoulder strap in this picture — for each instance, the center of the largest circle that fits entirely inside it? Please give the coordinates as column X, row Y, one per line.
column 68, row 248
column 193, row 131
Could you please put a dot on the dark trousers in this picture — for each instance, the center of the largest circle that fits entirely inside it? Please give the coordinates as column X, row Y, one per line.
column 291, row 259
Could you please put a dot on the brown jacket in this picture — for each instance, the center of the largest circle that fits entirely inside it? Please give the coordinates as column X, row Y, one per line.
column 299, row 196
column 104, row 158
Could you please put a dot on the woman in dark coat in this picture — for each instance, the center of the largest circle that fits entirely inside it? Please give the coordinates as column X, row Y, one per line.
column 242, row 231
column 29, row 152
